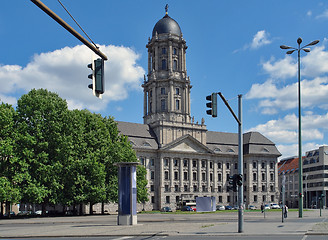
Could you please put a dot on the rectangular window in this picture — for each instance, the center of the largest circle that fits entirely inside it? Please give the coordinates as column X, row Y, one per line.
column 194, row 163
column 185, row 163
column 219, row 177
column 203, row 164
column 175, row 65
column 176, row 175
column 185, row 175
column 185, row 188
column 152, row 188
column 211, row 177
column 176, row 162
column 194, row 176
column 177, row 91
column 166, row 188
column 228, row 165
column 166, row 162
column 163, row 64
column 152, row 199
column 166, row 175
column 167, row 199
column 152, row 162
column 162, row 90
column 219, row 165
column 177, row 104
column 195, row 188
column 219, row 188
column 255, row 198
column 175, row 51
column 163, row 105
column 220, row 199
column 176, row 188
column 152, row 175
column 204, row 176
column 163, row 50
column 204, row 188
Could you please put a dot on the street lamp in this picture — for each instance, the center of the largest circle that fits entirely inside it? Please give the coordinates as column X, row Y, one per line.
column 300, row 162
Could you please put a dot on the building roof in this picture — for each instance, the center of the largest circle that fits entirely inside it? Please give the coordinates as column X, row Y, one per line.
column 142, row 136
column 289, row 165
column 167, row 25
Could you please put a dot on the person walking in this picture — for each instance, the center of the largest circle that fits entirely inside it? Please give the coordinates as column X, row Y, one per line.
column 285, row 211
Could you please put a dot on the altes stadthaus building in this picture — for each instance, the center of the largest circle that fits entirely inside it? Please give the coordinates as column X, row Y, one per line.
column 183, row 159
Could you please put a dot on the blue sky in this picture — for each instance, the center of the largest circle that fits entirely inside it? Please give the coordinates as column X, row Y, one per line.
column 233, row 48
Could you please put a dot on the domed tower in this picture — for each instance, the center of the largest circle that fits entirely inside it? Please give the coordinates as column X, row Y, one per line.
column 167, row 87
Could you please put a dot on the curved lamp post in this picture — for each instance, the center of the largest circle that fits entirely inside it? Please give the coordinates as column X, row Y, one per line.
column 300, row 162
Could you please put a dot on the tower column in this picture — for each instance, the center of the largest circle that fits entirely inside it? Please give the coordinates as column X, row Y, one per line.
column 171, row 96
column 145, row 103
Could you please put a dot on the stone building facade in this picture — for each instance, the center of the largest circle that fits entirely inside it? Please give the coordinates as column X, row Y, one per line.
column 183, row 159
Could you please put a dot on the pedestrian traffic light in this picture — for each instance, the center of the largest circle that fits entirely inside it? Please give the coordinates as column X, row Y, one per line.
column 212, row 105
column 97, row 76
column 239, row 179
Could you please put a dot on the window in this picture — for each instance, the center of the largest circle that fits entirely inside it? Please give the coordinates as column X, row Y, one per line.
column 142, row 161
column 254, row 188
column 254, row 176
column 262, row 165
column 211, row 164
column 263, row 188
column 236, row 165
column 176, row 188
column 152, row 162
column 185, row 175
column 272, row 198
column 211, row 176
column 219, row 188
column 195, row 188
column 264, row 198
column 255, row 198
column 175, row 65
column 271, row 188
column 185, row 163
column 166, row 175
column 176, row 175
column 166, row 188
column 263, row 177
column 185, row 188
column 219, row 177
column 152, row 175
column 254, row 164
column 228, row 199
column 177, row 104
column 152, row 188
column 166, row 162
column 204, row 188
column 194, row 176
column 203, row 176
column 162, row 90
column 177, row 91
column 163, row 104
column 163, row 50
column 228, row 165
column 219, row 165
column 175, row 51
column 194, row 163
column 271, row 165
column 150, row 93
column 176, row 162
column 203, row 164
column 163, row 64
column 167, row 199
column 152, row 199
column 271, row 177
column 220, row 199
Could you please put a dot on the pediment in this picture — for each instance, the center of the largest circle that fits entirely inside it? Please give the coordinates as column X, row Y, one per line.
column 187, row 144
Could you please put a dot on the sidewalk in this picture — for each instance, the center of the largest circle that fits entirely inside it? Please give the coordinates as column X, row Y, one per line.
column 216, row 224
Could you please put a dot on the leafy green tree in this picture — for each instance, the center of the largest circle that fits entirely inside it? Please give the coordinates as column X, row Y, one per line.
column 41, row 141
column 142, row 191
column 12, row 171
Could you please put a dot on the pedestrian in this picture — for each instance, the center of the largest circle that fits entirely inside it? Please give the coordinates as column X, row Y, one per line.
column 262, row 208
column 285, row 211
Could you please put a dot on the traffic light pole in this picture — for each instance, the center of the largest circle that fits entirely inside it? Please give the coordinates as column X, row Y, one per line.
column 240, row 159
column 68, row 28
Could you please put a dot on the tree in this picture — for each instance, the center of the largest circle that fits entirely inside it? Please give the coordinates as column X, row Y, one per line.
column 41, row 142
column 142, row 191
column 12, row 171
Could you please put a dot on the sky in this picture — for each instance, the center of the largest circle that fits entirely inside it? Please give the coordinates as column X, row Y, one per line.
column 233, row 48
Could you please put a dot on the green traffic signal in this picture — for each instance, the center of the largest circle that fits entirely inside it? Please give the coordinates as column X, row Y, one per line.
column 97, row 76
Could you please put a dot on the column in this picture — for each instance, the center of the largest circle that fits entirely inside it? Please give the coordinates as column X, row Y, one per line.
column 145, row 103
column 190, row 174
column 199, row 163
column 171, row 173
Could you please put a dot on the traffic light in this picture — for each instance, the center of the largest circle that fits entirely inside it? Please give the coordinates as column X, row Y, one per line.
column 232, row 183
column 239, row 179
column 213, row 105
column 97, row 76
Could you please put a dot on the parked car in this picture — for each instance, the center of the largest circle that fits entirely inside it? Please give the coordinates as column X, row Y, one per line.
column 193, row 208
column 220, row 207
column 187, row 208
column 9, row 214
column 235, row 207
column 274, row 206
column 266, row 206
column 228, row 208
column 166, row 209
column 251, row 207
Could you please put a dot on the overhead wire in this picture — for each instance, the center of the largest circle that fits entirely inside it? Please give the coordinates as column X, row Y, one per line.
column 78, row 24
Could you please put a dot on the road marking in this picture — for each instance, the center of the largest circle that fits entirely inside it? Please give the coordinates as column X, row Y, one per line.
column 305, row 237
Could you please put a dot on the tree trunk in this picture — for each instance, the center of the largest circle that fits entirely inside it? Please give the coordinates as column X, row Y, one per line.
column 91, row 209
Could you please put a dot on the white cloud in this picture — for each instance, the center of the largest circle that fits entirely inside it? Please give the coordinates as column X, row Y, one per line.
column 324, row 14
column 65, row 71
column 260, row 39
column 281, row 69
